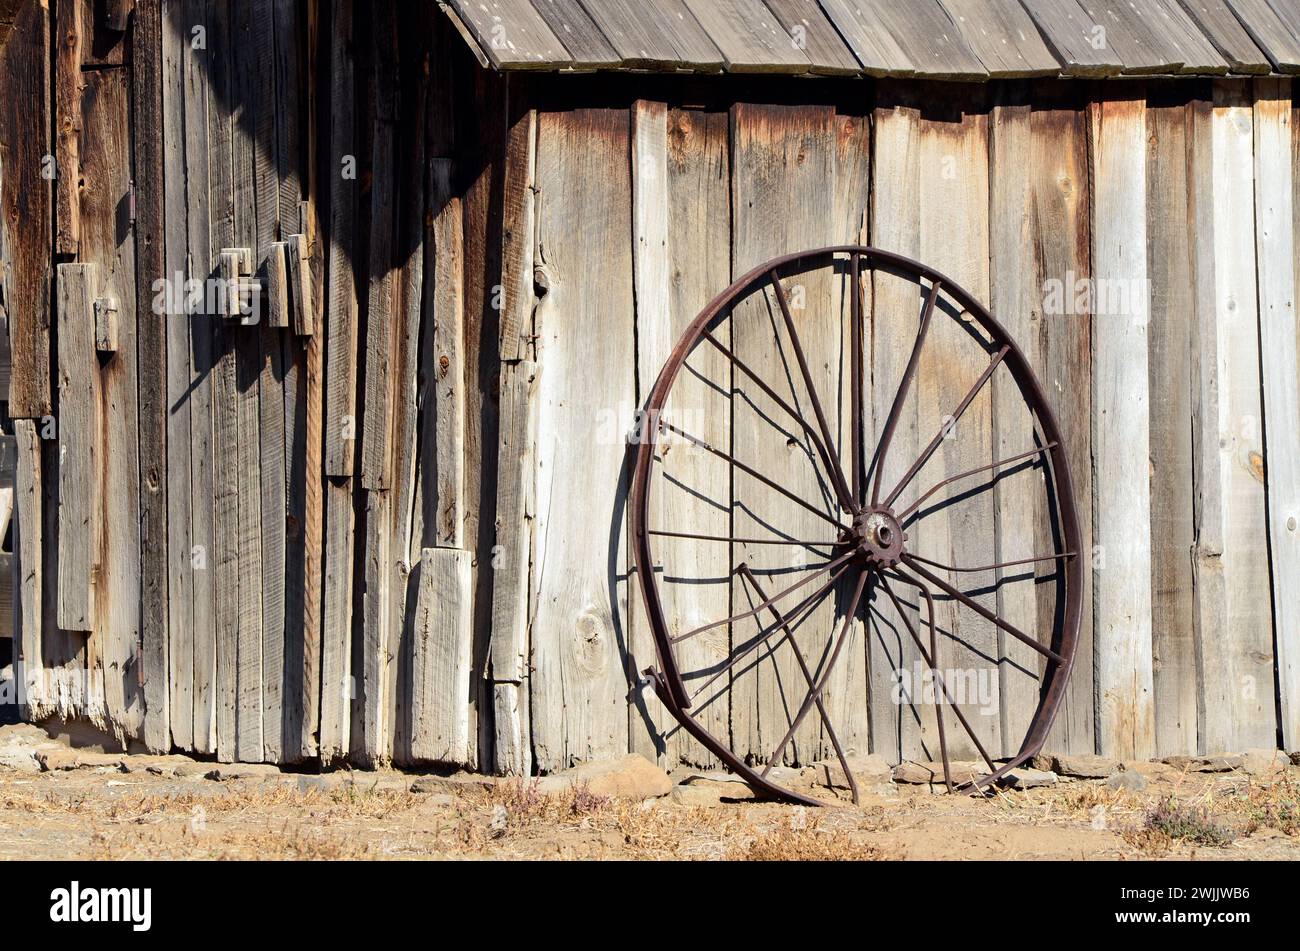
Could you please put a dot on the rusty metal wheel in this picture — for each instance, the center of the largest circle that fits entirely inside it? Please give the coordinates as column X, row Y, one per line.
column 828, row 486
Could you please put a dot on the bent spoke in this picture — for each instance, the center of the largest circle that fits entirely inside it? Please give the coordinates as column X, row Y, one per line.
column 805, row 608
column 903, row 516
column 946, row 426
column 816, row 692
column 830, row 566
column 1001, row 564
column 753, row 472
column 807, row 676
column 931, row 659
column 837, row 477
column 837, row 474
column 891, row 423
column 979, row 609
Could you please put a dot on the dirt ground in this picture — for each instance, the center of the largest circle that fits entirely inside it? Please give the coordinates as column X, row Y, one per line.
column 88, row 807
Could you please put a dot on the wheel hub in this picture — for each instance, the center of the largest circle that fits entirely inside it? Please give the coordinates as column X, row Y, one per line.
column 879, row 536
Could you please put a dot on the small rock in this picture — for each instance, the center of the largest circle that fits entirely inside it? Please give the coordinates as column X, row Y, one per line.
column 1218, row 763
column 706, row 794
column 632, row 777
column 867, row 770
column 61, row 760
column 1083, row 766
column 925, row 774
column 1023, row 778
column 1264, row 762
column 730, row 788
column 450, row 785
column 1127, row 780
column 1154, row 769
column 193, row 770
column 228, row 771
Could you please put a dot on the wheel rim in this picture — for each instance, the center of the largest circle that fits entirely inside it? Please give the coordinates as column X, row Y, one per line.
column 867, row 561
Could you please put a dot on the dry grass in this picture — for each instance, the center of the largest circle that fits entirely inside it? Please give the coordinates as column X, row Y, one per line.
column 1267, row 805
column 1170, row 821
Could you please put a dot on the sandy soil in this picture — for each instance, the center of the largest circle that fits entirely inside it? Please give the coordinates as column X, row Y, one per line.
column 144, row 809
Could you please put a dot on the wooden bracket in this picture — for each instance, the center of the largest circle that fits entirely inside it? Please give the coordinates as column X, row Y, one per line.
column 277, row 285
column 106, row 309
column 240, row 296
column 299, row 253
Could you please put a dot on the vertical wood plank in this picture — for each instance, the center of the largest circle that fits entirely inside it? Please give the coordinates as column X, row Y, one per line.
column 445, row 363
column 313, row 501
column 1234, row 620
column 336, row 676
column 27, row 197
column 578, row 689
column 224, row 554
column 342, row 319
column 443, row 633
column 698, row 196
column 248, row 24
column 1275, row 258
column 954, row 238
column 1173, row 303
column 180, row 574
column 80, row 486
column 1060, row 174
column 1017, row 304
column 782, row 193
column 27, row 548
column 847, row 695
column 901, row 726
column 106, row 186
column 381, row 313
column 70, row 38
column 651, row 285
column 1121, row 431
column 199, row 78
column 508, row 658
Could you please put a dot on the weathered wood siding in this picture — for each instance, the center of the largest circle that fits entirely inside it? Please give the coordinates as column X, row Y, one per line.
column 384, row 517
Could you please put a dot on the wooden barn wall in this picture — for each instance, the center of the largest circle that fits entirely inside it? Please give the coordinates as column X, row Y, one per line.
column 387, row 522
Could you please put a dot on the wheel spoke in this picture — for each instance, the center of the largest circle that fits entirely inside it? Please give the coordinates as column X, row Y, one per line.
column 1001, row 564
column 837, row 477
column 806, row 607
column 891, row 422
column 947, row 424
column 829, row 566
column 807, row 676
column 980, row 609
column 856, row 381
column 749, row 470
column 931, row 659
column 903, row 515
column 816, row 692
column 744, row 541
column 837, row 473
